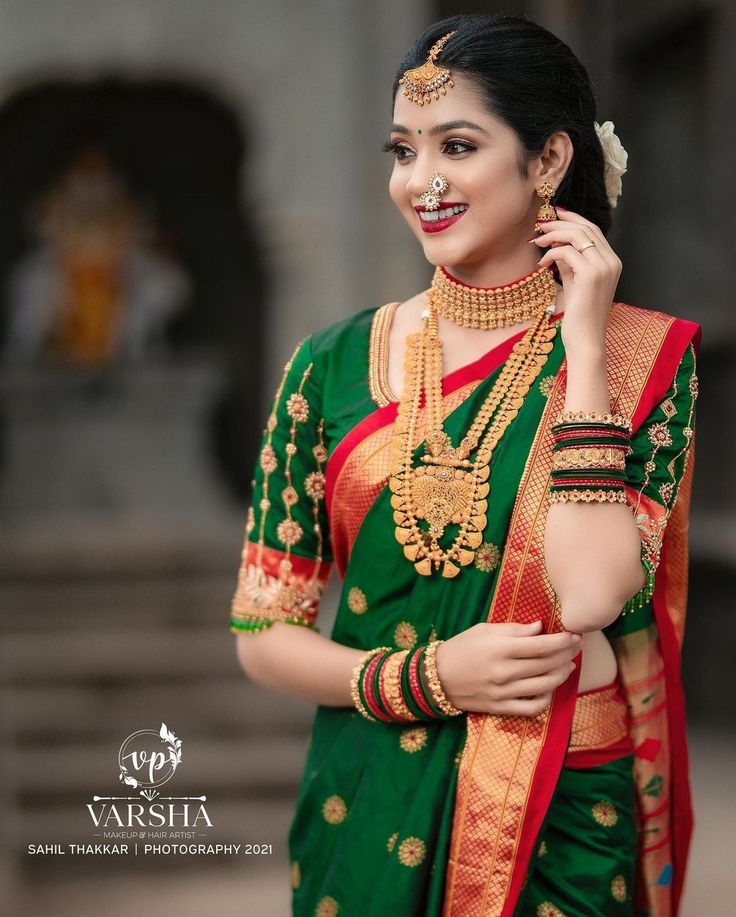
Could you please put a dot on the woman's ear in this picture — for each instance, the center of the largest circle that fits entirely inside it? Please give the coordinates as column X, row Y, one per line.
column 555, row 158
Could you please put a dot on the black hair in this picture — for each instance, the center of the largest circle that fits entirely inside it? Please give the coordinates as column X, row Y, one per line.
column 536, row 85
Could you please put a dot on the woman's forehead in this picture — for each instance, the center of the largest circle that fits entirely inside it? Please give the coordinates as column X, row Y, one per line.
column 463, row 101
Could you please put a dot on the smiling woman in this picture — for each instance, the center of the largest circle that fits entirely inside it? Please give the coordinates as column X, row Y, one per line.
column 500, row 727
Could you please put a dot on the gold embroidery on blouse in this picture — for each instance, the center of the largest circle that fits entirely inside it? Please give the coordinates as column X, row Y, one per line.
column 288, row 531
column 268, row 455
column 378, row 355
column 652, row 530
column 272, row 587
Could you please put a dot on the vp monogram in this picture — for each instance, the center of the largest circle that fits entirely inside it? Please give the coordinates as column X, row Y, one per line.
column 147, row 759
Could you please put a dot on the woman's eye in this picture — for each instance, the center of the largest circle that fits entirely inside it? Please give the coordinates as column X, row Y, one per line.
column 390, row 146
column 453, row 147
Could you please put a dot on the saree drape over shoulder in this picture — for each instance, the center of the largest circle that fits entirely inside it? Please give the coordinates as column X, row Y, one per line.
column 447, row 817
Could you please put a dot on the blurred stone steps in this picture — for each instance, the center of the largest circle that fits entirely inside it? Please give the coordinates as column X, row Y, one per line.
column 86, row 662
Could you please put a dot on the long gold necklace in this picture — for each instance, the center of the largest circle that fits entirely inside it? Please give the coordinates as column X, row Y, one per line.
column 450, row 487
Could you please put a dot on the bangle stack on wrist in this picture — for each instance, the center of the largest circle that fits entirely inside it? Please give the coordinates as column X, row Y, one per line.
column 589, row 457
column 392, row 686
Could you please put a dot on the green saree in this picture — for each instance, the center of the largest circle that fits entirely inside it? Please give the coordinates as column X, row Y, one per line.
column 392, row 818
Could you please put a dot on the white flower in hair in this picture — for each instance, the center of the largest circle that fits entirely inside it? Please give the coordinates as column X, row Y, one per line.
column 615, row 157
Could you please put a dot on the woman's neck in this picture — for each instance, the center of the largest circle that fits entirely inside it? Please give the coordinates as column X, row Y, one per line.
column 495, row 273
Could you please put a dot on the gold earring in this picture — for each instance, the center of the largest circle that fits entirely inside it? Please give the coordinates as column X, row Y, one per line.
column 546, row 211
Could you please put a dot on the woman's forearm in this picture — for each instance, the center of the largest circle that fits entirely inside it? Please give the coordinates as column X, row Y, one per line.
column 592, row 550
column 299, row 661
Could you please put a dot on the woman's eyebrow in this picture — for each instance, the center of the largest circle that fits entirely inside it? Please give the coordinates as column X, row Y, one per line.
column 441, row 128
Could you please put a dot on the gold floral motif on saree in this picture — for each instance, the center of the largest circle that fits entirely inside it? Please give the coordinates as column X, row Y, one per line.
column 618, row 888
column 405, row 635
column 412, row 851
column 327, row 907
column 334, row 810
column 604, row 812
column 413, row 739
column 357, row 602
column 547, row 909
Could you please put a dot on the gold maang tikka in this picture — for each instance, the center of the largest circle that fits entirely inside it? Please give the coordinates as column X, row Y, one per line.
column 422, row 84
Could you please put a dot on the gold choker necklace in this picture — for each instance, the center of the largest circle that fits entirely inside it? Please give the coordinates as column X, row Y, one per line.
column 492, row 307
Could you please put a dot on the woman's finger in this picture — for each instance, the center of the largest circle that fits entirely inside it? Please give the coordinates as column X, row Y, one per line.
column 542, row 646
column 529, row 668
column 578, row 238
column 522, row 706
column 540, row 684
column 570, row 256
column 581, row 220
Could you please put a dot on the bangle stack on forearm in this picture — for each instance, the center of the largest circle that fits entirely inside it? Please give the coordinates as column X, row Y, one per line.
column 589, row 457
column 400, row 686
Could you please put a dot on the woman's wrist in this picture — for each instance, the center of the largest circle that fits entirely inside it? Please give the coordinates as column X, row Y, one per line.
column 587, row 380
column 400, row 686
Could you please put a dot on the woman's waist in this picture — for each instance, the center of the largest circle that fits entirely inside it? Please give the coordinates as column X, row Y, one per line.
column 600, row 727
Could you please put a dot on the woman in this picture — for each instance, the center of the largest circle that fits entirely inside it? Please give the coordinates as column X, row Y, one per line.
column 500, row 724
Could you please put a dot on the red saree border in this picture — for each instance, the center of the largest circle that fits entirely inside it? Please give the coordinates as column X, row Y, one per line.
column 670, row 641
column 640, row 375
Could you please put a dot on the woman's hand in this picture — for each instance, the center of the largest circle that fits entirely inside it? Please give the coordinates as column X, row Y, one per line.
column 589, row 278
column 508, row 669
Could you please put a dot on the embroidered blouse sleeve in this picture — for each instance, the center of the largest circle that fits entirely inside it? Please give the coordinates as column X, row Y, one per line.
column 656, row 467
column 287, row 557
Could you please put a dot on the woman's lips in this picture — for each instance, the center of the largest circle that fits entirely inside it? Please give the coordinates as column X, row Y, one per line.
column 440, row 225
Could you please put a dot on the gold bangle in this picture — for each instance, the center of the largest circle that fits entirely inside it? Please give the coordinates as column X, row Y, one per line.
column 391, row 682
column 589, row 457
column 587, row 496
column 614, row 420
column 438, row 695
column 355, row 678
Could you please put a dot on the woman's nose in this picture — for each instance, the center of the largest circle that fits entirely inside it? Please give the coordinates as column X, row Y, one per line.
column 418, row 181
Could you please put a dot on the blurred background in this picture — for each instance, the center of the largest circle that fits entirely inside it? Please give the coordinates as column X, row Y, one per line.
column 187, row 188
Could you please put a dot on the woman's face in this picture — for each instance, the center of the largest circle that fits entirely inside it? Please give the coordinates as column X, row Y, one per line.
column 478, row 155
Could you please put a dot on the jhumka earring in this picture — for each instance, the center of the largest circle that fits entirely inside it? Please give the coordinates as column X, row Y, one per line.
column 437, row 187
column 546, row 211
column 422, row 84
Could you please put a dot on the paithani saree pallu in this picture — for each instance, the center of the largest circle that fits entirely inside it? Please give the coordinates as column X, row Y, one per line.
column 458, row 818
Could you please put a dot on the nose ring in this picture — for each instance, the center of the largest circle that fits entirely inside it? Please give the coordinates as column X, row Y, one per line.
column 437, row 185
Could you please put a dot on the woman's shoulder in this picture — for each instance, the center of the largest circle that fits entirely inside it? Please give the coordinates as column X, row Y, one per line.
column 624, row 313
column 650, row 330
column 353, row 330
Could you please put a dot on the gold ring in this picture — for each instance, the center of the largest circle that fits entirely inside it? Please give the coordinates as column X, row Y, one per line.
column 587, row 245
